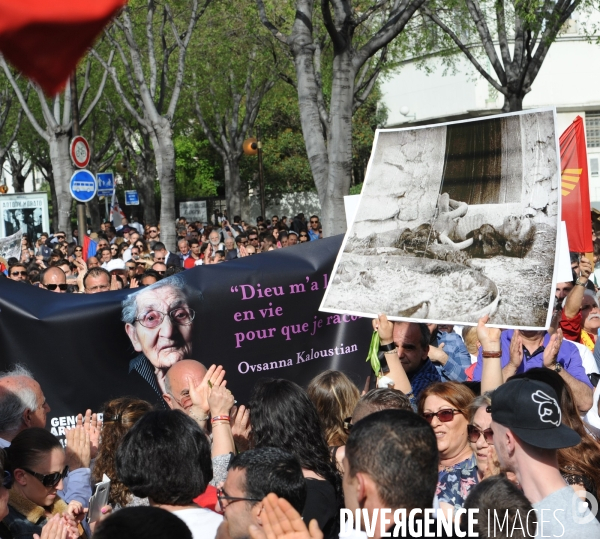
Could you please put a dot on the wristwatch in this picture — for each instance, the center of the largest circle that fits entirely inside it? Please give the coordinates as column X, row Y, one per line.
column 578, row 281
column 557, row 367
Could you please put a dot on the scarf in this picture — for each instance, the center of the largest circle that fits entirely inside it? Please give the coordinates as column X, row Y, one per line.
column 587, row 339
column 424, row 377
column 34, row 513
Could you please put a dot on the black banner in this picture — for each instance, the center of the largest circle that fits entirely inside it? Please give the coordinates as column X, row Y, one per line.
column 257, row 316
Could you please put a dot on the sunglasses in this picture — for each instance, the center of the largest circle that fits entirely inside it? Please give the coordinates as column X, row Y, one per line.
column 8, row 480
column 78, row 250
column 51, row 479
column 54, row 287
column 59, row 237
column 474, row 433
column 313, row 222
column 445, row 416
column 15, row 273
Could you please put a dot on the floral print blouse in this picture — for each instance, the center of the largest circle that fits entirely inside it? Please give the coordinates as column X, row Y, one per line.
column 455, row 482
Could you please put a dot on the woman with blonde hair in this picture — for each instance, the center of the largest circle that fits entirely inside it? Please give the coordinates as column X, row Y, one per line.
column 119, row 416
column 335, row 396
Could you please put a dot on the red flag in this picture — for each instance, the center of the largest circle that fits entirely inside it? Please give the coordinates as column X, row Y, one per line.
column 44, row 39
column 575, row 188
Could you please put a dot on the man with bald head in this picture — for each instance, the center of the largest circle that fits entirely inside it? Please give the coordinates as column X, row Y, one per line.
column 53, row 279
column 93, row 262
column 177, row 387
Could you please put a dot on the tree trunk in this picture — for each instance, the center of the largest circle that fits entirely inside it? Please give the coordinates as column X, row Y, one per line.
column 165, row 155
column 144, row 183
column 62, row 171
column 54, row 200
column 233, row 186
column 94, row 212
column 302, row 46
column 18, row 181
column 513, row 102
column 339, row 146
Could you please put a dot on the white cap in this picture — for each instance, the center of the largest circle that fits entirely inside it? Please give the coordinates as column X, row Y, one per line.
column 115, row 264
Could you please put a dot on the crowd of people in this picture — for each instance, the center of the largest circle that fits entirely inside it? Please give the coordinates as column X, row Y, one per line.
column 131, row 255
column 455, row 419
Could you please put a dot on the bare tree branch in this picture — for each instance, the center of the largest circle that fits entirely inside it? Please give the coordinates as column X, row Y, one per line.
column 99, row 92
column 278, row 34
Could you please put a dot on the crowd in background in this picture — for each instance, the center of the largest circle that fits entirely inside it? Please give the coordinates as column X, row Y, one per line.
column 132, row 255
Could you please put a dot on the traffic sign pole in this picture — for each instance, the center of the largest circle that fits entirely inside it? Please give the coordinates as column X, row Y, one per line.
column 81, row 221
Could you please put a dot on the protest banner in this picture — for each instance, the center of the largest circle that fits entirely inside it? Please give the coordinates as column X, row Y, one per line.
column 456, row 221
column 27, row 212
column 256, row 316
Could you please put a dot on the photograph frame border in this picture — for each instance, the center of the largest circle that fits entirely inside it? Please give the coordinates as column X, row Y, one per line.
column 552, row 109
column 35, row 195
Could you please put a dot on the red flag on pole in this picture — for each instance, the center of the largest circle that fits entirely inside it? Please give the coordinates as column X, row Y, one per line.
column 576, row 211
column 44, row 39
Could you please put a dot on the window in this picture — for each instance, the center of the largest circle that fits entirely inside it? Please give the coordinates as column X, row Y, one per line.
column 594, row 167
column 592, row 129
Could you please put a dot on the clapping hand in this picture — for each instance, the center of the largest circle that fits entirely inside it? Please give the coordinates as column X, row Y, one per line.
column 55, row 528
column 240, row 428
column 385, row 328
column 488, row 337
column 552, row 349
column 282, row 521
column 93, row 426
column 78, row 448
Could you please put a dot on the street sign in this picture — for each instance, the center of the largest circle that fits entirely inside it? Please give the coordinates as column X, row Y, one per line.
column 82, row 186
column 132, row 198
column 106, row 184
column 80, row 152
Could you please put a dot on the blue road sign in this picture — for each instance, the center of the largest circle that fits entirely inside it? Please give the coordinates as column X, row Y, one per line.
column 106, row 184
column 82, row 186
column 132, row 198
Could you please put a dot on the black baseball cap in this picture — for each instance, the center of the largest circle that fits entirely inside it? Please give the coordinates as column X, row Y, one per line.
column 530, row 409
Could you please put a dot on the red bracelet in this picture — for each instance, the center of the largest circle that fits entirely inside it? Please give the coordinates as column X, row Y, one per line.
column 220, row 418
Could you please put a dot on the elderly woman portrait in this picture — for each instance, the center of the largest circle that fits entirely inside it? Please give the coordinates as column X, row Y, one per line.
column 158, row 320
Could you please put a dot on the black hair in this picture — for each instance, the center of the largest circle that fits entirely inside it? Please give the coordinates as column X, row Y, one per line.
column 497, row 496
column 398, row 449
column 150, row 273
column 174, row 270
column 61, row 262
column 159, row 246
column 165, row 457
column 240, row 237
column 29, row 447
column 142, row 523
column 283, row 416
column 269, row 469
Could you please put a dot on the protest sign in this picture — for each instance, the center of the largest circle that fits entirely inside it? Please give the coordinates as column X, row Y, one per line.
column 257, row 316
column 456, row 221
column 11, row 247
column 27, row 212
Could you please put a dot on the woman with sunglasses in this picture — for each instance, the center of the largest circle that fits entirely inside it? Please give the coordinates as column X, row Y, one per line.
column 481, row 437
column 445, row 406
column 36, row 460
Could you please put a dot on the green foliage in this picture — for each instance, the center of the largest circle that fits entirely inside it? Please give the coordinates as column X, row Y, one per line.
column 194, row 176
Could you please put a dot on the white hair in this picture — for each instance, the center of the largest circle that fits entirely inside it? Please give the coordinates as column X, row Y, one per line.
column 14, row 402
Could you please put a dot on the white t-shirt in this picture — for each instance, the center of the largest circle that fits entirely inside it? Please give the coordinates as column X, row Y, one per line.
column 203, row 523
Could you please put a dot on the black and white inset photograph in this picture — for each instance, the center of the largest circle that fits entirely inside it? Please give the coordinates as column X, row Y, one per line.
column 456, row 221
column 24, row 212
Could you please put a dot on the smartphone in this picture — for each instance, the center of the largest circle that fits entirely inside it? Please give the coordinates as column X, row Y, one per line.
column 99, row 499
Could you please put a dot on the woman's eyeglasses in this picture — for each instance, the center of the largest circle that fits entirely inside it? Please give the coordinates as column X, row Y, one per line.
column 474, row 433
column 445, row 416
column 51, row 479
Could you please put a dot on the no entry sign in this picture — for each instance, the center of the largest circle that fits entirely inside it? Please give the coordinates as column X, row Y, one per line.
column 80, row 152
